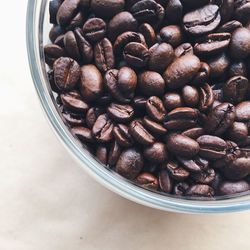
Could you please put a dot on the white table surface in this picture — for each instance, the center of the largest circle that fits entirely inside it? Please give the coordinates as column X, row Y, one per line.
column 47, row 202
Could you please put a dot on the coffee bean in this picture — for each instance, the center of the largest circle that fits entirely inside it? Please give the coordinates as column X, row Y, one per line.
column 172, row 35
column 136, row 54
column 182, row 145
column 203, row 75
column 92, row 115
column 52, row 53
column 181, row 71
column 181, row 188
column 243, row 111
column 238, row 69
column 174, row 11
column 166, row 183
column 147, row 180
column 54, row 6
column 55, row 32
column 220, row 119
column 155, row 109
column 94, row 29
column 204, row 177
column 202, row 20
column 102, row 129
column 226, row 10
column 206, row 97
column 200, row 190
column 238, row 132
column 148, row 32
column 194, row 133
column 122, row 135
column 184, row 49
column 172, row 100
column 175, row 171
column 229, row 188
column 190, row 96
column 156, row 153
column 230, row 26
column 197, row 164
column 107, row 8
column 154, row 127
column 73, row 120
column 104, row 55
column 114, row 153
column 130, row 163
column 120, row 113
column 102, row 154
column 160, row 57
column 242, row 9
column 83, row 134
column 66, row 73
column 91, row 83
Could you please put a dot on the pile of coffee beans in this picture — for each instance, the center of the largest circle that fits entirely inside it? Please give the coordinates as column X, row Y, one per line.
column 157, row 90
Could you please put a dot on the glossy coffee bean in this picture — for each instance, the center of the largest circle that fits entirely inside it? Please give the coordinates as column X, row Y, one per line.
column 71, row 46
column 229, row 188
column 92, row 115
column 172, row 35
column 226, row 10
column 156, row 153
column 194, row 133
column 166, row 183
column 55, row 32
column 154, row 127
column 120, row 113
column 52, row 53
column 148, row 32
column 238, row 132
column 83, row 134
column 184, row 49
column 147, row 180
column 190, row 96
column 200, row 190
column 204, row 177
column 177, row 172
column 195, row 165
column 182, row 145
column 243, row 111
column 54, row 6
column 203, row 75
column 180, row 188
column 73, row 120
column 122, row 135
column 114, row 153
column 206, row 97
column 174, row 11
column 238, row 68
column 230, row 26
column 130, row 163
column 155, row 109
column 66, row 73
column 102, row 154
column 242, row 10
column 172, row 100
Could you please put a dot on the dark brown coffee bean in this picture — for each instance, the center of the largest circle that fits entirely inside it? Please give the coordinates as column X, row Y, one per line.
column 120, row 113
column 148, row 32
column 122, row 135
column 184, row 49
column 220, row 119
column 172, row 100
column 73, row 120
column 147, row 180
column 107, row 8
column 212, row 44
column 229, row 188
column 94, row 29
column 166, row 183
column 155, row 109
column 181, row 71
column 151, row 83
column 71, row 46
column 104, row 55
column 194, row 133
column 54, row 6
column 235, row 89
column 140, row 134
column 240, row 43
column 230, row 26
column 212, row 147
column 160, row 57
column 190, row 96
column 156, row 153
column 175, row 171
column 120, row 23
column 238, row 69
column 102, row 129
column 130, row 163
column 194, row 4
column 102, row 154
column 180, row 188
column 55, row 32
column 238, row 132
column 136, row 54
column 66, row 73
column 204, row 177
column 91, row 85
column 202, row 20
column 242, row 9
column 203, row 75
column 114, row 153
column 206, row 97
column 226, row 10
column 174, row 11
column 182, row 145
column 197, row 164
column 83, row 134
column 154, row 127
column 200, row 190
column 52, row 53
column 172, row 35
column 92, row 115
column 243, row 111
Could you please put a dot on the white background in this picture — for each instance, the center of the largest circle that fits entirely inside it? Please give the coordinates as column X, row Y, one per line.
column 48, row 203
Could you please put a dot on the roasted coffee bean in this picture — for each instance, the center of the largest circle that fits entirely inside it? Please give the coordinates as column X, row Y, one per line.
column 147, row 180
column 71, row 45
column 91, row 85
column 156, row 153
column 200, row 190
column 66, row 73
column 83, row 134
column 230, row 26
column 94, row 29
column 120, row 23
column 149, row 33
column 202, row 20
column 206, row 97
column 55, row 32
column 140, row 134
column 242, row 9
column 229, row 188
column 67, row 11
column 154, row 127
column 204, row 177
column 240, row 43
column 172, row 35
column 235, row 89
column 52, row 53
column 102, row 154
column 73, row 120
column 107, row 8
column 216, row 182
column 136, row 54
column 155, row 109
column 181, row 119
column 114, row 153
column 220, row 119
column 212, row 147
column 197, row 164
column 120, row 113
column 184, row 49
column 182, row 145
column 238, row 69
column 226, row 10
column 104, row 55
column 54, row 6
column 202, row 76
column 77, row 20
column 151, row 83
column 102, row 129
column 190, row 96
column 243, row 112
column 212, row 44
column 181, row 71
column 130, row 163
column 194, row 133
column 180, row 188
column 174, row 11
column 238, row 132
column 172, row 100
column 139, row 103
column 160, row 57
column 166, row 183
column 92, row 115
column 175, row 171
column 122, row 135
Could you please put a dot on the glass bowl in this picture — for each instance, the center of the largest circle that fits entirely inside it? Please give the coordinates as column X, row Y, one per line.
column 37, row 34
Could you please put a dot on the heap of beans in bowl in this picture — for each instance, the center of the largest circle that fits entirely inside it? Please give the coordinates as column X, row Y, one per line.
column 157, row 90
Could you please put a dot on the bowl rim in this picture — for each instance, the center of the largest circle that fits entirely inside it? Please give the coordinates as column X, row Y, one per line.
column 34, row 24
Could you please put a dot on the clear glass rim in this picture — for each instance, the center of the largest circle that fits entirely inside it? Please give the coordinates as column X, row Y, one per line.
column 34, row 29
